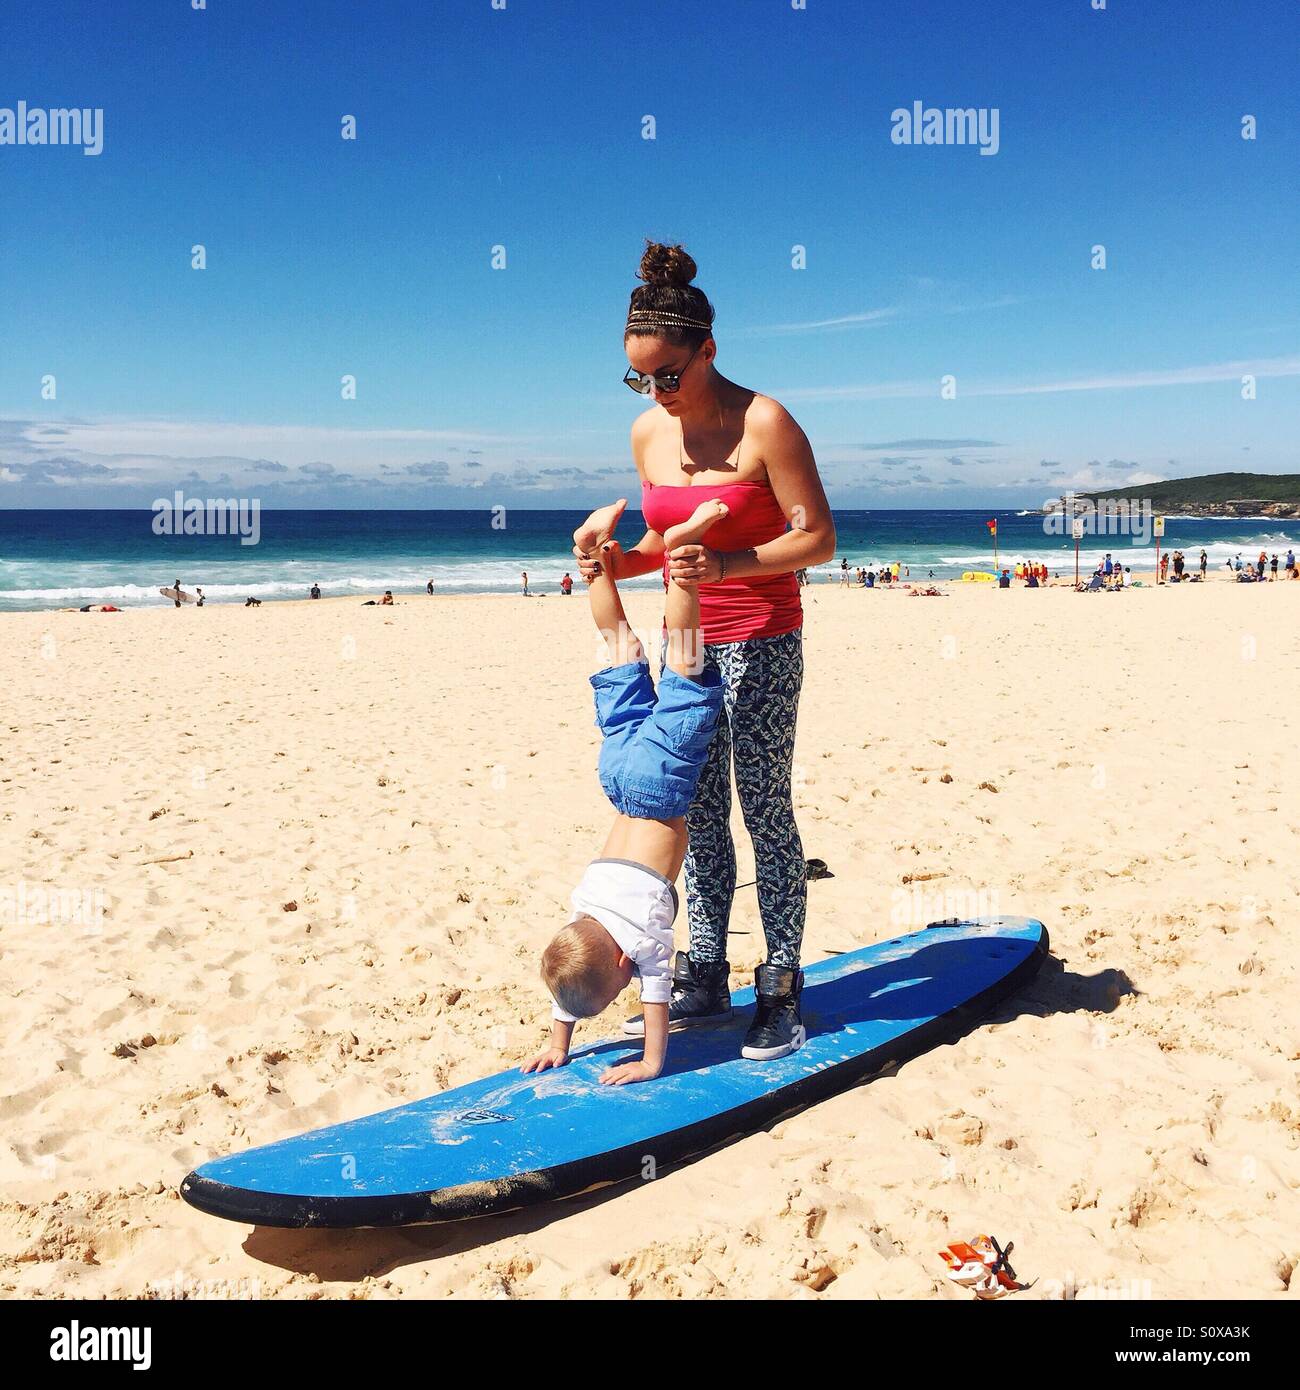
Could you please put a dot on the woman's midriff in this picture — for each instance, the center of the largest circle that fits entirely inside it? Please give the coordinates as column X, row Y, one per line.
column 734, row 610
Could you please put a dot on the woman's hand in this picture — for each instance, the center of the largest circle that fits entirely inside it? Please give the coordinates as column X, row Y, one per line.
column 694, row 564
column 604, row 559
column 552, row 1057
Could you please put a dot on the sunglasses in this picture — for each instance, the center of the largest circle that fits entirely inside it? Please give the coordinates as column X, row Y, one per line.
column 641, row 382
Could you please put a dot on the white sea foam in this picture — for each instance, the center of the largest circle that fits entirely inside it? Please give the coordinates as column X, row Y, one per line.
column 447, row 579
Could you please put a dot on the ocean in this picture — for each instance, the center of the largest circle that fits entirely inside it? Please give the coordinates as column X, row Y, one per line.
column 57, row 559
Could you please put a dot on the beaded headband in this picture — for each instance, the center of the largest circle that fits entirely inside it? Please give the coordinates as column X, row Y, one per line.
column 642, row 318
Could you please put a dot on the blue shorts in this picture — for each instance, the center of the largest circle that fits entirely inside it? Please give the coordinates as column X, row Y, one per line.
column 654, row 748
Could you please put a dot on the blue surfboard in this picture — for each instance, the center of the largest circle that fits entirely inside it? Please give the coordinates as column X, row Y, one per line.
column 511, row 1140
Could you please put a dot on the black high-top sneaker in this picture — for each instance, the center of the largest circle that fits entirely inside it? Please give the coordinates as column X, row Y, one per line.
column 777, row 1029
column 700, row 995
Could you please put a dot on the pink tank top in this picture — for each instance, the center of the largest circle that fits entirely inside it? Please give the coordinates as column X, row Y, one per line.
column 764, row 605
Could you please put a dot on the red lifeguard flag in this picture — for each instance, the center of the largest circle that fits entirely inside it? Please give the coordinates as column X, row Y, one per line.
column 992, row 525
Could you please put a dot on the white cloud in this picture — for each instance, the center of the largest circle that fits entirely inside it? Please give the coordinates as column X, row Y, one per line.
column 1262, row 367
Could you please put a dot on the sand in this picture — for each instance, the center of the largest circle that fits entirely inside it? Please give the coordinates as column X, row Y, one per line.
column 330, row 841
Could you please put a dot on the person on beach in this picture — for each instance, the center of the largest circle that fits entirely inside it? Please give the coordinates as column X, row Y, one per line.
column 844, row 573
column 199, row 599
column 523, row 575
column 566, row 584
column 428, row 588
column 176, row 589
column 1205, row 560
column 654, row 749
column 315, row 591
column 1290, row 563
column 743, row 448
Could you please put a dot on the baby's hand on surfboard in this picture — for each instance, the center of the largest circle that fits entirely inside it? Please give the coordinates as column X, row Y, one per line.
column 552, row 1057
column 629, row 1071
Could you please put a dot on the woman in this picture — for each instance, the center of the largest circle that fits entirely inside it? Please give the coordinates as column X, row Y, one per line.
column 709, row 437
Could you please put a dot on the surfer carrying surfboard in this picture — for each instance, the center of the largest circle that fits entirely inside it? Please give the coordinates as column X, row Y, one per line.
column 655, row 746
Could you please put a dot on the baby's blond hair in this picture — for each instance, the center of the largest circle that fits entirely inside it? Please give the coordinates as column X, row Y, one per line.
column 580, row 968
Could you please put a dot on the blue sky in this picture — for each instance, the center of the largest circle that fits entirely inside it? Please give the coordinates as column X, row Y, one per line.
column 522, row 127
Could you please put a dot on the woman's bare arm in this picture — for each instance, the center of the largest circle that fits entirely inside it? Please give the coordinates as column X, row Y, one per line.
column 646, row 555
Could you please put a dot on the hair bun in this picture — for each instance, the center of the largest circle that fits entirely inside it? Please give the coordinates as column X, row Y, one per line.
column 666, row 265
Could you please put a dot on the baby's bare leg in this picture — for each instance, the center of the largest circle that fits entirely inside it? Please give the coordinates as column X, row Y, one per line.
column 607, row 610
column 685, row 653
column 602, row 593
column 682, row 605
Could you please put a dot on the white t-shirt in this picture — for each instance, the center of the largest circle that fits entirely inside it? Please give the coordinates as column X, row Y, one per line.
column 637, row 907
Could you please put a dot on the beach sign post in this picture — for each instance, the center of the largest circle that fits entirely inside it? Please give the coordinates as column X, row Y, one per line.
column 1077, row 527
column 1158, row 530
column 993, row 528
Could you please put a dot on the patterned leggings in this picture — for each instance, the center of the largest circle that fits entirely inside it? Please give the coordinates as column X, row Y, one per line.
column 762, row 677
